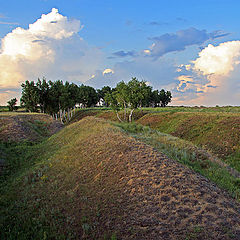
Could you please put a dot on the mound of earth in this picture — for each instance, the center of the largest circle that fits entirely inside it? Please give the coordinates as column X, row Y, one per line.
column 28, row 127
column 100, row 182
column 156, row 197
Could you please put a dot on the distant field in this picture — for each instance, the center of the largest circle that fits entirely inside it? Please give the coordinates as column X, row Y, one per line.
column 194, row 109
column 5, row 109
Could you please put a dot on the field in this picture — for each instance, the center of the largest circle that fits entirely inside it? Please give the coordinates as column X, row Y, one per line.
column 100, row 179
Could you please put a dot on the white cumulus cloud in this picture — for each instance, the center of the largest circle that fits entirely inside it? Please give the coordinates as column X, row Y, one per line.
column 49, row 47
column 213, row 78
column 108, row 71
column 220, row 60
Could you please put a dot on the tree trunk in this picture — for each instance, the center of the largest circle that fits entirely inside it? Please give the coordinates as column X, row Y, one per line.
column 61, row 115
column 68, row 114
column 119, row 117
column 130, row 115
column 125, row 112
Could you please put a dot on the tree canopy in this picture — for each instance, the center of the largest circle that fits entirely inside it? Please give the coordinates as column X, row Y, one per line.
column 12, row 104
column 57, row 98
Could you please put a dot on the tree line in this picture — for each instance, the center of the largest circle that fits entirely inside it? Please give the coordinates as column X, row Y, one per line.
column 60, row 99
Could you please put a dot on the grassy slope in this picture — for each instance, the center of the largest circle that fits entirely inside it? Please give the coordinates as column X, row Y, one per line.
column 15, row 127
column 53, row 192
column 217, row 132
column 215, row 129
column 68, row 185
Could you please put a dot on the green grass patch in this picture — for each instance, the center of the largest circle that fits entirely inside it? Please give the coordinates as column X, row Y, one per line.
column 49, row 190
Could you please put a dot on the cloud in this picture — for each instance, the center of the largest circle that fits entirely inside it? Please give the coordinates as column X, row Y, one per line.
column 8, row 23
column 49, row 47
column 219, row 60
column 128, row 22
column 107, row 71
column 125, row 54
column 181, row 19
column 213, row 77
column 6, row 95
column 159, row 74
column 180, row 40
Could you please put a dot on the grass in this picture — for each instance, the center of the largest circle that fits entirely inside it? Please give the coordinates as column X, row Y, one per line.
column 186, row 153
column 229, row 109
column 50, row 190
column 217, row 132
column 66, row 186
column 216, row 129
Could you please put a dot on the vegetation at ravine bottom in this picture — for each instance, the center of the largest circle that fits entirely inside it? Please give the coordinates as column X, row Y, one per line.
column 67, row 187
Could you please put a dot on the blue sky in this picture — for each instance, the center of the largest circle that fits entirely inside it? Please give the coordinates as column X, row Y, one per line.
column 165, row 43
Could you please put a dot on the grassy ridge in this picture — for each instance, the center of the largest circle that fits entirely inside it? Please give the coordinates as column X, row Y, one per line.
column 62, row 188
column 186, row 153
column 215, row 129
column 217, row 132
column 67, row 186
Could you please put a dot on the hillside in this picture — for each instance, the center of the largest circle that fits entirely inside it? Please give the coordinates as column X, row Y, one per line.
column 96, row 182
column 214, row 129
column 16, row 127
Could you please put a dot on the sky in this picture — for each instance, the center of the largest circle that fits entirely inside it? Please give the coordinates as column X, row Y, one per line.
column 191, row 48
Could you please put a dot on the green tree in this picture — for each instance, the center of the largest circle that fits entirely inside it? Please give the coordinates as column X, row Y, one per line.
column 43, row 90
column 155, row 98
column 165, row 97
column 139, row 93
column 102, row 93
column 111, row 99
column 12, row 104
column 134, row 94
column 122, row 92
column 87, row 96
column 30, row 96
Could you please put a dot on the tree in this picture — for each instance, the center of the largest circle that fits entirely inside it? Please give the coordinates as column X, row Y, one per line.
column 87, row 96
column 111, row 99
column 12, row 104
column 155, row 98
column 134, row 94
column 139, row 93
column 102, row 93
column 122, row 92
column 43, row 90
column 30, row 96
column 165, row 97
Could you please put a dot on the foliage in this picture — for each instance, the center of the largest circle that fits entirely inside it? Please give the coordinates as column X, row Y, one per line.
column 102, row 93
column 165, row 97
column 30, row 96
column 135, row 94
column 12, row 104
column 160, row 98
column 87, row 96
